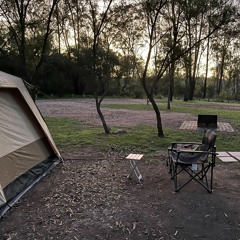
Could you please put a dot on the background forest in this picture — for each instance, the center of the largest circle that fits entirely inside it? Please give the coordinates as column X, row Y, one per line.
column 175, row 48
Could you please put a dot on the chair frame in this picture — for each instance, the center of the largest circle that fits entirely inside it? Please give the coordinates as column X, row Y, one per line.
column 200, row 174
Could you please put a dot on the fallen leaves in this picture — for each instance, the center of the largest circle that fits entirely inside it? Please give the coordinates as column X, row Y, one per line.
column 91, row 199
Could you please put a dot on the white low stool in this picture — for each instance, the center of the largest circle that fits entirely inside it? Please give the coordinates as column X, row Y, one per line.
column 133, row 160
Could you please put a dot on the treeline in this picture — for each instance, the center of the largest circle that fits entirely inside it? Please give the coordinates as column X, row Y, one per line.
column 174, row 48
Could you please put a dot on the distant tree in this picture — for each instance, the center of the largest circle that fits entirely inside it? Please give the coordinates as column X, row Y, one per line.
column 204, row 20
column 222, row 47
column 158, row 30
column 194, row 19
column 175, row 20
column 29, row 29
column 153, row 12
column 55, row 75
column 129, row 31
column 98, row 21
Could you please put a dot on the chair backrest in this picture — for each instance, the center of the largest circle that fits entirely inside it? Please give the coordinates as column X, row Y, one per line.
column 208, row 145
column 208, row 140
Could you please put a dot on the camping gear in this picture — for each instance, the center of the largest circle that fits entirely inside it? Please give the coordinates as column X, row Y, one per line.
column 27, row 149
column 133, row 160
column 197, row 160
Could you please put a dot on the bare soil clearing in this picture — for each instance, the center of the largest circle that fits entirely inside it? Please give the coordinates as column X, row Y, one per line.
column 84, row 110
column 88, row 197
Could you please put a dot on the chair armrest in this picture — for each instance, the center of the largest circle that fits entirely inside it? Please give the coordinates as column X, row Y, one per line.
column 198, row 151
column 193, row 156
column 184, row 145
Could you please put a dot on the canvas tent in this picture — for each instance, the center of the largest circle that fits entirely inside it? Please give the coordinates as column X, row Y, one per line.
column 27, row 150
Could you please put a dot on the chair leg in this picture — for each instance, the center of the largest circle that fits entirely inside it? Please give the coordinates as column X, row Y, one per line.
column 169, row 162
column 175, row 173
column 174, row 176
column 134, row 169
column 198, row 177
column 211, row 180
column 202, row 166
column 208, row 183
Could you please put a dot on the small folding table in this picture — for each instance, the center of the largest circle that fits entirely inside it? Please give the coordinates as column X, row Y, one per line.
column 133, row 160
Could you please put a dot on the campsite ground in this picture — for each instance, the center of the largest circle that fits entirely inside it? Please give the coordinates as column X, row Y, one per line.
column 88, row 197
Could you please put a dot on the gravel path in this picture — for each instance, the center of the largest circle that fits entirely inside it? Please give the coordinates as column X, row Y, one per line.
column 84, row 110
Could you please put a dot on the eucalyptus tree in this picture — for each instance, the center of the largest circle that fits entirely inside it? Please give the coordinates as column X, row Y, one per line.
column 223, row 52
column 209, row 25
column 174, row 18
column 153, row 11
column 14, row 16
column 97, row 21
column 128, row 42
column 203, row 19
column 29, row 25
column 73, row 25
column 207, row 66
column 151, row 17
column 73, row 40
column 194, row 19
column 234, row 69
column 113, row 58
column 164, row 40
column 157, row 30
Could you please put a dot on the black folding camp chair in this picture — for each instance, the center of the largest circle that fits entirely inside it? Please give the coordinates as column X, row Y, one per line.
column 195, row 159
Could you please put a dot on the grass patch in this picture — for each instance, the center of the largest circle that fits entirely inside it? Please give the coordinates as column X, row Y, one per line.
column 72, row 134
column 231, row 116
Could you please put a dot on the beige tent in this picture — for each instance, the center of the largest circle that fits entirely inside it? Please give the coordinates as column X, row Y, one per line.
column 27, row 150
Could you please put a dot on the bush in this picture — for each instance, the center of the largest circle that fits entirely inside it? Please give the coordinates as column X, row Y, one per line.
column 138, row 92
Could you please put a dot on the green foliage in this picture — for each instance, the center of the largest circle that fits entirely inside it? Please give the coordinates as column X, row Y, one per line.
column 138, row 92
column 53, row 76
column 120, row 45
column 179, row 87
column 198, row 91
column 10, row 63
column 224, row 95
column 210, row 91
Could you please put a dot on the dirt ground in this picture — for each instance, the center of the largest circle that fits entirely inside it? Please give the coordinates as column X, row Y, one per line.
column 84, row 110
column 88, row 197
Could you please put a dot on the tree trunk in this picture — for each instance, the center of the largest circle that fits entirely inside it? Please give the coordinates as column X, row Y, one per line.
column 97, row 28
column 169, row 80
column 98, row 106
column 150, row 98
column 191, row 87
column 171, row 83
column 76, row 85
column 98, row 102
column 219, row 89
column 175, row 30
column 45, row 40
column 206, row 73
column 158, row 116
column 186, row 84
